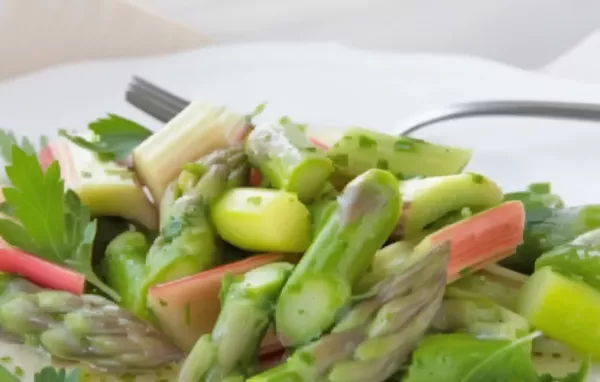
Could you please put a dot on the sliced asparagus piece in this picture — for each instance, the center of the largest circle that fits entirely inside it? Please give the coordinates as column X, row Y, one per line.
column 321, row 284
column 87, row 328
column 125, row 270
column 424, row 201
column 359, row 150
column 372, row 340
column 188, row 242
column 195, row 132
column 287, row 158
column 232, row 348
column 262, row 220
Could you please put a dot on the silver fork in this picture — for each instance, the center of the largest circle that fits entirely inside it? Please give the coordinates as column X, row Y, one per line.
column 163, row 105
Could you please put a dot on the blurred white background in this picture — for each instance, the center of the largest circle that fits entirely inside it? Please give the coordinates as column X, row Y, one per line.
column 526, row 33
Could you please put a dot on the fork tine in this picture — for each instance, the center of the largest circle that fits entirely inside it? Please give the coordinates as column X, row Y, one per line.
column 160, row 93
column 151, row 106
column 153, row 100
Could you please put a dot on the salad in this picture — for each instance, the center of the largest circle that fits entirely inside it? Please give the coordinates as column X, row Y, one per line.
column 220, row 249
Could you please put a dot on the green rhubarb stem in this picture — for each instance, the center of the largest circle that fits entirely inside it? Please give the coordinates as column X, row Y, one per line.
column 361, row 149
column 231, row 349
column 87, row 328
column 321, row 284
column 287, row 158
column 125, row 270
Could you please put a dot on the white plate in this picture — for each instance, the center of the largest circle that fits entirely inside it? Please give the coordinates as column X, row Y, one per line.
column 331, row 85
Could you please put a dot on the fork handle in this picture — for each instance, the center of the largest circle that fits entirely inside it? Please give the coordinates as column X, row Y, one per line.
column 541, row 109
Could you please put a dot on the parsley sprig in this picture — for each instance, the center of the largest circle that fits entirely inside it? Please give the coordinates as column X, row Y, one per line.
column 47, row 374
column 116, row 137
column 8, row 139
column 54, row 224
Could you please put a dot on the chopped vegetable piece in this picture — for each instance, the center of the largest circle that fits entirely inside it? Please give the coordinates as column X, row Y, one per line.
column 53, row 224
column 40, row 271
column 208, row 177
column 579, row 258
column 195, row 132
column 548, row 295
column 232, row 347
column 188, row 242
column 426, row 200
column 482, row 239
column 322, row 283
column 189, row 307
column 320, row 212
column 125, row 270
column 262, row 220
column 463, row 310
column 372, row 340
column 287, row 158
column 88, row 328
column 461, row 357
column 499, row 284
column 115, row 137
column 361, row 149
column 105, row 187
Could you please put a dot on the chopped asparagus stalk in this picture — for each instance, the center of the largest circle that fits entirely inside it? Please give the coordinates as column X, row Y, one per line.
column 125, row 270
column 322, row 282
column 262, row 220
column 188, row 242
column 361, row 149
column 197, row 131
column 372, row 340
column 87, row 328
column 548, row 295
column 288, row 160
column 424, row 201
column 105, row 187
column 233, row 346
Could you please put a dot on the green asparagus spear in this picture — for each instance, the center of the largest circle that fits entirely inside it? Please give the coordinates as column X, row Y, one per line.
column 288, row 160
column 125, row 270
column 372, row 340
column 87, row 328
column 247, row 304
column 361, row 149
column 188, row 243
column 321, row 284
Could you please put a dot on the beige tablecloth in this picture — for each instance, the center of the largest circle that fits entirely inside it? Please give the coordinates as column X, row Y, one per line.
column 38, row 33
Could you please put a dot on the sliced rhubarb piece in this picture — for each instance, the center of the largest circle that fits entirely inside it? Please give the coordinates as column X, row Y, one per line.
column 196, row 131
column 480, row 240
column 187, row 308
column 39, row 271
column 105, row 187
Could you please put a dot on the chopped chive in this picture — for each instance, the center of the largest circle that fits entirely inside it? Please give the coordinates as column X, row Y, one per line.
column 382, row 164
column 404, row 144
column 477, row 178
column 365, row 142
column 540, row 188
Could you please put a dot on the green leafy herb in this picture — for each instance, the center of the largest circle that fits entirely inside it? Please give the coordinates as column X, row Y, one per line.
column 506, row 363
column 115, row 137
column 257, row 111
column 50, row 374
column 8, row 139
column 7, row 376
column 55, row 225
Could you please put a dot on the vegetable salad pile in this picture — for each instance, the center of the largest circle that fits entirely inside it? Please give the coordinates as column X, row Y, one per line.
column 235, row 251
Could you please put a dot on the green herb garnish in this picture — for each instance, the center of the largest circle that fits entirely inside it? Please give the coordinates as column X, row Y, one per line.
column 55, row 225
column 116, row 137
